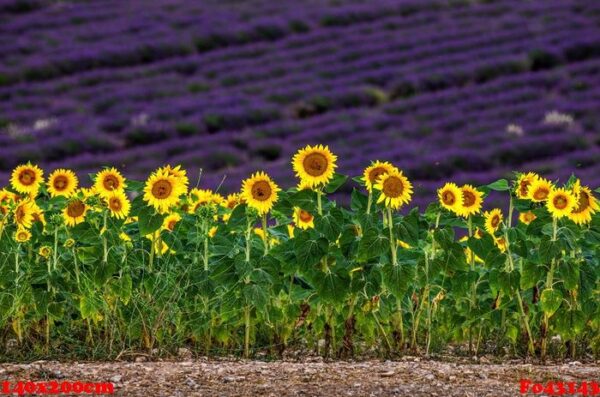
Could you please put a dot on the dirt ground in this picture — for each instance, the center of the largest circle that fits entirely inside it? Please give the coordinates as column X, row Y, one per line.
column 410, row 376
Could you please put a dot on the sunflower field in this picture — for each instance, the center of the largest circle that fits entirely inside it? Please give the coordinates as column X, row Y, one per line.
column 125, row 265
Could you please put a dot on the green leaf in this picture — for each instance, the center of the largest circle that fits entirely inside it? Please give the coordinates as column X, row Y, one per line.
column 305, row 199
column 331, row 286
column 372, row 244
column 89, row 309
column 398, row 278
column 336, row 182
column 501, row 185
column 358, row 201
column 330, row 224
column 149, row 221
column 309, row 248
column 126, row 288
column 238, row 217
column 569, row 272
column 550, row 301
column 531, row 274
column 509, row 282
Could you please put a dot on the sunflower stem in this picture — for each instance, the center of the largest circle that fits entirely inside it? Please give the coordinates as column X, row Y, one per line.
column 264, row 228
column 510, row 210
column 205, row 257
column 151, row 261
column 393, row 247
column 55, row 253
column 319, row 205
column 104, row 240
column 246, row 331
column 369, row 202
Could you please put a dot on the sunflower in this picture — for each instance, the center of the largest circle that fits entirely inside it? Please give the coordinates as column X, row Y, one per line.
column 260, row 233
column 212, row 232
column 27, row 178
column 118, row 204
column 396, row 189
column 198, row 198
column 314, row 165
column 560, row 202
column 403, row 244
column 373, row 172
column 585, row 207
column 472, row 199
column 290, row 229
column 45, row 251
column 108, row 181
column 162, row 191
column 468, row 253
column 23, row 214
column 527, row 217
column 260, row 192
column 74, row 212
column 232, row 201
column 539, row 190
column 500, row 243
column 450, row 197
column 170, row 221
column 22, row 235
column 124, row 237
column 178, row 173
column 159, row 245
column 493, row 219
column 38, row 214
column 62, row 183
column 303, row 219
column 523, row 184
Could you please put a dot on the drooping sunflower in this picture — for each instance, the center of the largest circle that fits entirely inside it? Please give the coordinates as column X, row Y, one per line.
column 27, row 178
column 539, row 190
column 260, row 192
column 493, row 219
column 171, row 221
column 62, row 182
column 585, row 207
column 162, row 191
column 396, row 189
column 472, row 199
column 108, row 181
column 523, row 184
column 303, row 219
column 527, row 217
column 23, row 214
column 560, row 202
column 45, row 251
column 373, row 172
column 74, row 212
column 22, row 235
column 314, row 165
column 450, row 197
column 118, row 204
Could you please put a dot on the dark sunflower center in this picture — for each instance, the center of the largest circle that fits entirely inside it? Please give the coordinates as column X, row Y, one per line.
column 22, row 236
column 110, row 182
column 393, row 187
column 468, row 198
column 162, row 189
column 3, row 210
column 524, row 187
column 171, row 225
column 560, row 202
column 61, row 182
column 583, row 203
column 115, row 204
column 541, row 193
column 305, row 216
column 76, row 209
column 261, row 191
column 376, row 173
column 27, row 177
column 36, row 217
column 495, row 221
column 315, row 164
column 448, row 198
column 19, row 214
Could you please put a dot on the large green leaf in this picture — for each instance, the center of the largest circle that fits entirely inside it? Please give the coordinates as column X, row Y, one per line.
column 531, row 274
column 149, row 221
column 550, row 301
column 372, row 244
column 336, row 182
column 501, row 185
column 309, row 248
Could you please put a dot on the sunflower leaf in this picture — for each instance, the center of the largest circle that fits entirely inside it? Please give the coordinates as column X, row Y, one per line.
column 501, row 185
column 336, row 182
column 149, row 221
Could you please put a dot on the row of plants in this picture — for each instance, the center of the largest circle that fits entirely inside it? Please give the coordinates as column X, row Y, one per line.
column 125, row 265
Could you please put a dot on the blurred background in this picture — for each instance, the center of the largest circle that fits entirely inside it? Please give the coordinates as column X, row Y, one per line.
column 447, row 90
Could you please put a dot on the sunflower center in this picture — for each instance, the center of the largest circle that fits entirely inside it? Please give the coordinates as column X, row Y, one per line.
column 76, row 209
column 19, row 214
column 162, row 189
column 22, row 236
column 583, row 203
column 468, row 198
column 393, row 187
column 448, row 198
column 171, row 225
column 560, row 202
column 524, row 187
column 376, row 173
column 27, row 177
column 305, row 216
column 61, row 182
column 110, row 182
column 541, row 194
column 261, row 191
column 115, row 204
column 495, row 221
column 315, row 164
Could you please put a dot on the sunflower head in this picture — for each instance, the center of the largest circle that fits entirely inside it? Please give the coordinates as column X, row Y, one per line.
column 27, row 178
column 162, row 191
column 527, row 217
column 523, row 184
column 171, row 221
column 23, row 213
column 118, row 204
column 62, row 182
column 560, row 202
column 177, row 172
column 472, row 199
column 45, row 251
column 396, row 189
column 108, row 181
column 314, row 165
column 260, row 192
column 450, row 197
column 539, row 190
column 585, row 206
column 212, row 232
column 493, row 219
column 500, row 243
column 232, row 201
column 74, row 213
column 303, row 219
column 373, row 172
column 22, row 235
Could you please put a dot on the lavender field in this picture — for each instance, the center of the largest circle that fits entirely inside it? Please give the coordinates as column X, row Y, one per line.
column 447, row 90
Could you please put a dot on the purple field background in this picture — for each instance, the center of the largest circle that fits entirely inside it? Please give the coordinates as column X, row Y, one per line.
column 447, row 90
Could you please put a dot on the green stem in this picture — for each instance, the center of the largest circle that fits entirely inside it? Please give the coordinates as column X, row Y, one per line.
column 510, row 210
column 104, row 240
column 382, row 330
column 525, row 319
column 205, row 257
column 55, row 252
column 246, row 331
column 393, row 246
column 152, row 245
column 264, row 228
column 369, row 202
column 319, row 204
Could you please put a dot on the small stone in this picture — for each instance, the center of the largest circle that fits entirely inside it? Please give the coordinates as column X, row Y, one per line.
column 116, row 378
column 430, row 377
column 184, row 353
column 575, row 363
column 452, row 378
column 141, row 359
column 387, row 374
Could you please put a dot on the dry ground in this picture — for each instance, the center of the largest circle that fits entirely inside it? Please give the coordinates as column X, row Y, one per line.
column 411, row 376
